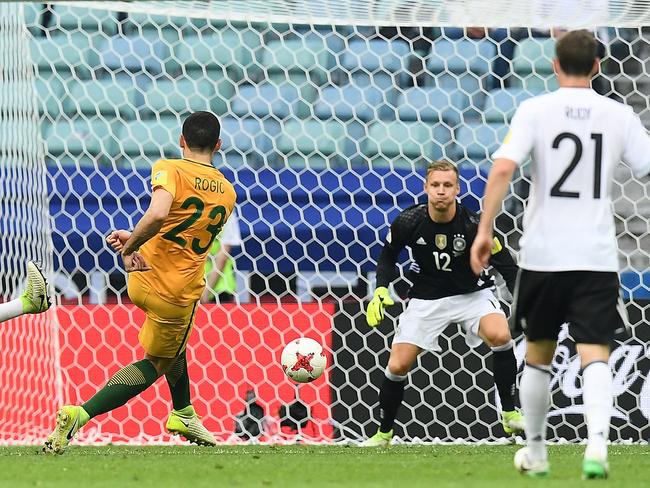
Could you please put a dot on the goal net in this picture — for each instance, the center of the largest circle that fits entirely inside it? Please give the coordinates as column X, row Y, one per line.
column 330, row 110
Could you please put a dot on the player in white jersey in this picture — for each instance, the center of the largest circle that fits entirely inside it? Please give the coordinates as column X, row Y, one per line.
column 568, row 254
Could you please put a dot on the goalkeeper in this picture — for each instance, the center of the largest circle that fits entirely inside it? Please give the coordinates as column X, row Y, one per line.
column 165, row 257
column 445, row 290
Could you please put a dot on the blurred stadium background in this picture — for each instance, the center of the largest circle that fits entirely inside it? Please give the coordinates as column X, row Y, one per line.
column 330, row 110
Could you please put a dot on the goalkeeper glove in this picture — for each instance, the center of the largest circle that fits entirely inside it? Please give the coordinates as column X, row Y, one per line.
column 375, row 311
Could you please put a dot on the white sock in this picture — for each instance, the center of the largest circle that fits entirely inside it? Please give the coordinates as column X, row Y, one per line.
column 9, row 310
column 597, row 398
column 535, row 395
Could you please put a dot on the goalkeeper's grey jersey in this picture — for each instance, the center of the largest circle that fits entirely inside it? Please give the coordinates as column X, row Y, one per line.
column 575, row 139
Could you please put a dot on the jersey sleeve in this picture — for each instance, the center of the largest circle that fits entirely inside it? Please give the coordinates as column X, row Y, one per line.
column 637, row 147
column 504, row 263
column 163, row 175
column 518, row 143
column 395, row 241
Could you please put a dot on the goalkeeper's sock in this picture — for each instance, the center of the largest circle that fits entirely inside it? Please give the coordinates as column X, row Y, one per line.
column 124, row 385
column 391, row 395
column 504, row 365
column 179, row 383
column 535, row 401
column 597, row 397
column 9, row 310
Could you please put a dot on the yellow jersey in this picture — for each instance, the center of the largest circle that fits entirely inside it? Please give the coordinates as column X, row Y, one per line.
column 203, row 201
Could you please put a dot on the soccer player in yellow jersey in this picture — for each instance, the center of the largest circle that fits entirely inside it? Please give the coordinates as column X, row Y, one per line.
column 165, row 257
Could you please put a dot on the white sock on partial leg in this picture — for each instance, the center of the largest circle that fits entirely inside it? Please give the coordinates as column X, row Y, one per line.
column 9, row 310
column 597, row 398
column 535, row 398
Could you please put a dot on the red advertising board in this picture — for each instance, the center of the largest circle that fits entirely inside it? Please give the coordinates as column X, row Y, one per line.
column 233, row 348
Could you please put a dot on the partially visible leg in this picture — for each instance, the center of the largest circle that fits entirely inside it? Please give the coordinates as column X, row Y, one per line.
column 179, row 382
column 597, row 315
column 494, row 331
column 536, row 396
column 391, row 392
column 35, row 298
column 127, row 383
column 598, row 398
column 183, row 419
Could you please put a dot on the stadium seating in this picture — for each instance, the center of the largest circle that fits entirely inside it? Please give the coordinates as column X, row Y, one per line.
column 500, row 104
column 312, row 143
column 462, row 65
column 299, row 61
column 430, row 104
column 111, row 98
column 63, row 55
column 533, row 70
column 377, row 62
column 181, row 96
column 351, row 101
column 477, row 142
column 142, row 142
column 218, row 54
column 133, row 55
column 266, row 99
column 73, row 18
column 51, row 94
column 401, row 144
column 245, row 142
column 90, row 140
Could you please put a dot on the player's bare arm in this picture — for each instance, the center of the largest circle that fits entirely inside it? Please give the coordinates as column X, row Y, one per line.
column 151, row 221
column 495, row 191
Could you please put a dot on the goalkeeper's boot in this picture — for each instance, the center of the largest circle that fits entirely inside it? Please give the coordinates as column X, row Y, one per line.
column 35, row 298
column 69, row 419
column 529, row 466
column 513, row 422
column 594, row 465
column 380, row 439
column 187, row 424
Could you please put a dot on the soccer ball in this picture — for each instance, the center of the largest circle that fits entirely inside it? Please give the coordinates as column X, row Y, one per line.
column 303, row 360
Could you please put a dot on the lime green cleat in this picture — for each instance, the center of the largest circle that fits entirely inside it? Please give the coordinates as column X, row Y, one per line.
column 380, row 439
column 187, row 424
column 69, row 419
column 35, row 298
column 593, row 469
column 513, row 422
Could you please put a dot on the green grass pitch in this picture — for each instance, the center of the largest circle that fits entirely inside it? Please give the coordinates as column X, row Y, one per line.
column 307, row 466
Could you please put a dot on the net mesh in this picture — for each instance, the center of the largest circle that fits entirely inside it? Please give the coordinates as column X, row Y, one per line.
column 29, row 372
column 327, row 125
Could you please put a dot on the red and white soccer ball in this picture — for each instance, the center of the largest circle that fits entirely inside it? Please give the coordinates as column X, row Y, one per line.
column 303, row 360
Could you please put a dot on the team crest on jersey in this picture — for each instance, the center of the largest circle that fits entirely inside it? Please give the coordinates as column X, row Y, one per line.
column 159, row 178
column 459, row 244
column 441, row 241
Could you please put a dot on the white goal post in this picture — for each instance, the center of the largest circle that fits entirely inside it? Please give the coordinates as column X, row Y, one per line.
column 330, row 110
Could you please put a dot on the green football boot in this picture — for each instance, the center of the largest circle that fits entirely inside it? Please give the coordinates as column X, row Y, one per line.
column 513, row 422
column 187, row 424
column 35, row 298
column 380, row 439
column 69, row 419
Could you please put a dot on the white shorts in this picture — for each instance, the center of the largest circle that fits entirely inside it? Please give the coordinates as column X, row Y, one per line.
column 424, row 320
